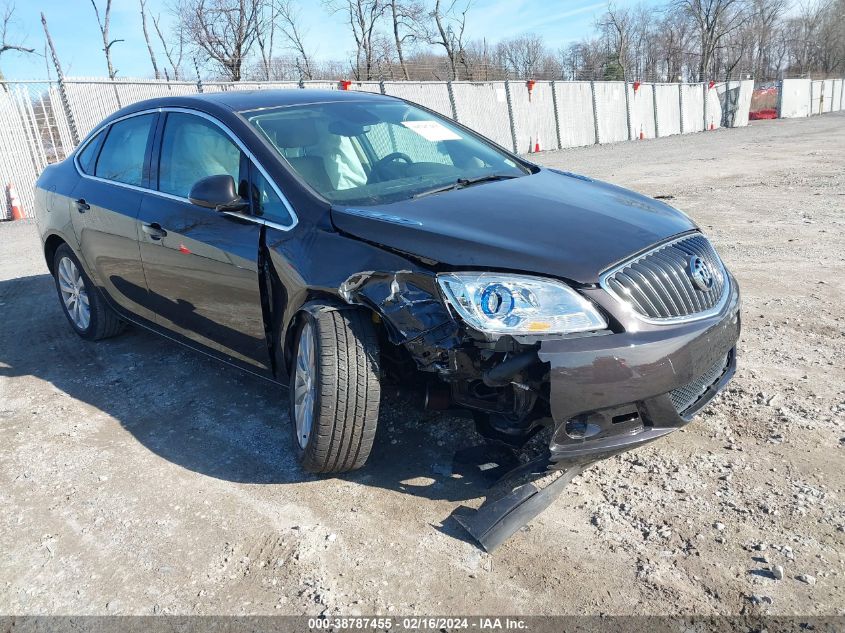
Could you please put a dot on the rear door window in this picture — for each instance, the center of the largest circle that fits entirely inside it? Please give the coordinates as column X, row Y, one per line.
column 193, row 148
column 124, row 150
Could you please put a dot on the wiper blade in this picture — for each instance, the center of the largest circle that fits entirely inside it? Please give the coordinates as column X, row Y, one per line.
column 460, row 183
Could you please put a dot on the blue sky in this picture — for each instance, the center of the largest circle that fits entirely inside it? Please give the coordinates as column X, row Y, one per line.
column 78, row 41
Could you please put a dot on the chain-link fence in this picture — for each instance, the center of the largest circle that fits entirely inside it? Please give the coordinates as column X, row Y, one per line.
column 42, row 121
column 33, row 134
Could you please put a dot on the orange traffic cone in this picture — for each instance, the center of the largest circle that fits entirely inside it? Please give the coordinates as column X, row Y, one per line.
column 537, row 144
column 642, row 136
column 712, row 127
column 14, row 203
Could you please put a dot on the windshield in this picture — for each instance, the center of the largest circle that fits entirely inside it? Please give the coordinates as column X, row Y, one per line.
column 365, row 153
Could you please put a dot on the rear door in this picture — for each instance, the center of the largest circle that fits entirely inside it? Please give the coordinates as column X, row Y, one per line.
column 106, row 200
column 201, row 265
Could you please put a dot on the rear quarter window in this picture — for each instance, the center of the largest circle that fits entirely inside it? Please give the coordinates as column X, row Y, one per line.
column 88, row 156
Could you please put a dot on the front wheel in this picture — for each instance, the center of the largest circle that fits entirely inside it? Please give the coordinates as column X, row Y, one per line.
column 334, row 389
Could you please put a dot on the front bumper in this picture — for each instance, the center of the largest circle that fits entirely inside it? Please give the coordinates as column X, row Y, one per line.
column 612, row 393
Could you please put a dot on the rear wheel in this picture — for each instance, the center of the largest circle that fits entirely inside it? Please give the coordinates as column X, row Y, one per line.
column 86, row 311
column 335, row 390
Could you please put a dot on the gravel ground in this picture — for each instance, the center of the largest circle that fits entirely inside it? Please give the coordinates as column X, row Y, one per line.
column 138, row 477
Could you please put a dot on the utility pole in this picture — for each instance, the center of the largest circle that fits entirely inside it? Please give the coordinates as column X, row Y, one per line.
column 71, row 122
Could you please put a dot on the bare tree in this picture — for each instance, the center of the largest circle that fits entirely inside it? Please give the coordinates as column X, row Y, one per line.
column 290, row 25
column 522, row 56
column 764, row 17
column 479, row 61
column 265, row 37
column 225, row 30
column 5, row 44
column 406, row 16
column 832, row 36
column 104, row 31
column 363, row 17
column 147, row 38
column 675, row 33
column 426, row 39
column 714, row 19
column 448, row 28
column 735, row 51
column 617, row 26
column 586, row 60
column 175, row 50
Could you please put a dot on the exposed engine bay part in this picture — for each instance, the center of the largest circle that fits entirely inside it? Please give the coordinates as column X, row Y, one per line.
column 501, row 374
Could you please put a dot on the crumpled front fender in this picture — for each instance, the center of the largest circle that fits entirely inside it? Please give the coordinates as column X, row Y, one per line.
column 409, row 303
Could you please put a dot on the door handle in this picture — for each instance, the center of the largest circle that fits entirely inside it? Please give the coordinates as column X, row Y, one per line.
column 82, row 206
column 154, row 230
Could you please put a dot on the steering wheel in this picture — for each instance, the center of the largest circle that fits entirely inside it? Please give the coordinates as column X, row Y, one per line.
column 381, row 165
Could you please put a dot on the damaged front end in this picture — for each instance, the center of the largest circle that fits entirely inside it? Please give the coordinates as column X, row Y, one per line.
column 503, row 381
column 598, row 391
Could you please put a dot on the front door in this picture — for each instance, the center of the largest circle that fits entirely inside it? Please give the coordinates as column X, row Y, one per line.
column 201, row 266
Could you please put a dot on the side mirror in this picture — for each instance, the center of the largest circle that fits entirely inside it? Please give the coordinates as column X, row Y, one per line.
column 218, row 193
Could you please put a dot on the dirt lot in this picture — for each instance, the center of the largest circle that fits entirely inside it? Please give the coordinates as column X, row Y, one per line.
column 139, row 477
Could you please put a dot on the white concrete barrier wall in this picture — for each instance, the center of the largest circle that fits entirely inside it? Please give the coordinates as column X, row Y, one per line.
column 693, row 99
column 816, row 87
column 794, row 98
column 735, row 99
column 575, row 113
column 366, row 86
column 746, row 89
column 534, row 115
column 484, row 107
column 827, row 95
column 713, row 114
column 806, row 97
column 432, row 95
column 642, row 110
column 668, row 109
column 322, row 85
column 611, row 111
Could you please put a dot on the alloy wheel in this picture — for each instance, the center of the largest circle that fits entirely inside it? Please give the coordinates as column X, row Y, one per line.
column 305, row 384
column 74, row 294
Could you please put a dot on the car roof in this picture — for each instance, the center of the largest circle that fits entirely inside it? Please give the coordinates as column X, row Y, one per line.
column 244, row 100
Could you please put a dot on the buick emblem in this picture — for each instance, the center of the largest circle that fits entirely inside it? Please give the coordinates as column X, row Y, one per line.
column 700, row 273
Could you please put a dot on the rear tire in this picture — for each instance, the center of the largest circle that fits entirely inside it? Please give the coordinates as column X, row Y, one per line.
column 86, row 310
column 335, row 389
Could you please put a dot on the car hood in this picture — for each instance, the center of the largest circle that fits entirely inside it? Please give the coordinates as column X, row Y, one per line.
column 551, row 223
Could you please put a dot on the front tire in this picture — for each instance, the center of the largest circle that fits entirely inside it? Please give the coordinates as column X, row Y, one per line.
column 85, row 309
column 335, row 389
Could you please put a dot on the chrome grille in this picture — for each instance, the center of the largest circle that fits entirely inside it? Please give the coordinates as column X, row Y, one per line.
column 657, row 284
column 684, row 397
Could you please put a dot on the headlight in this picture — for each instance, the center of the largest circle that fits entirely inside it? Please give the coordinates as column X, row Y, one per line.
column 496, row 303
